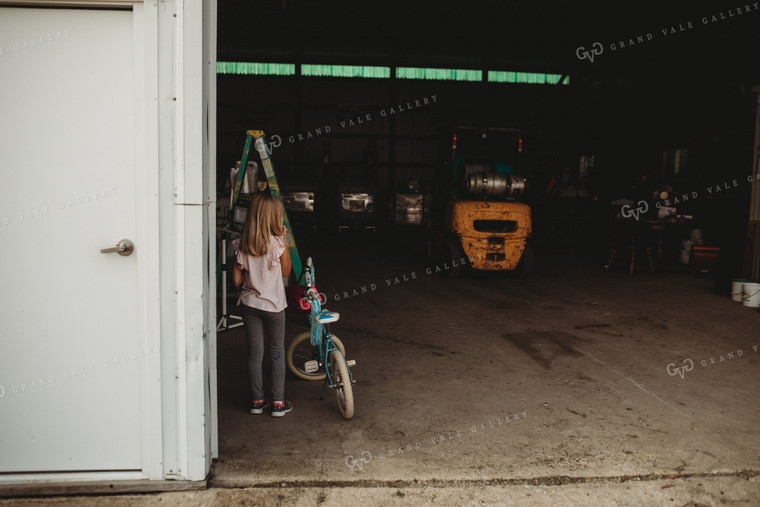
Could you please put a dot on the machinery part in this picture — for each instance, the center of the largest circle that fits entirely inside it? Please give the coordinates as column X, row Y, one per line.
column 470, row 167
column 488, row 249
column 344, row 391
column 452, row 256
column 517, row 185
column 301, row 351
column 494, row 184
column 495, row 226
column 526, row 265
column 488, row 183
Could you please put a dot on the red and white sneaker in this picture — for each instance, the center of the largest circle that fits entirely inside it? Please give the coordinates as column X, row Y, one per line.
column 258, row 406
column 280, row 408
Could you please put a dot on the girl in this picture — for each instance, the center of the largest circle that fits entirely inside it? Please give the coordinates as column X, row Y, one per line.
column 262, row 260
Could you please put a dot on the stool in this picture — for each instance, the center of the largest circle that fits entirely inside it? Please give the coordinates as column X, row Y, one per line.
column 627, row 234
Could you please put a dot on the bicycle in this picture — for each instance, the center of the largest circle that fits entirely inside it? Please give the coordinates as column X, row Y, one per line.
column 318, row 354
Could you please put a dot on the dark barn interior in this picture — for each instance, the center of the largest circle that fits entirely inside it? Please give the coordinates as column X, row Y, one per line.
column 635, row 128
column 631, row 109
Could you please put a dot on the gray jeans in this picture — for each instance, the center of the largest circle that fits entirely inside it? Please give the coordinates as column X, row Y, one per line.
column 258, row 325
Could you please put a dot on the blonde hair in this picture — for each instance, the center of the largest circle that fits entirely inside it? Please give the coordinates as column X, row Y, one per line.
column 264, row 220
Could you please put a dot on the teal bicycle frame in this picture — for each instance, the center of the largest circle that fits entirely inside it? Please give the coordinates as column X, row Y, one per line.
column 320, row 333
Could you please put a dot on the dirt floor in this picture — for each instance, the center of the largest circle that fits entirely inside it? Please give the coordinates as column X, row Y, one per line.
column 573, row 387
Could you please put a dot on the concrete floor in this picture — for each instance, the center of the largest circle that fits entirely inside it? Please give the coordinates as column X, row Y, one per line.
column 553, row 390
column 490, row 378
column 681, row 492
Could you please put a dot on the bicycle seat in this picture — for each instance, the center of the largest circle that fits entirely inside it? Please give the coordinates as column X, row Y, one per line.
column 325, row 317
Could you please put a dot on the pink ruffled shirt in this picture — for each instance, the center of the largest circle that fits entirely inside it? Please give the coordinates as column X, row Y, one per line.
column 262, row 277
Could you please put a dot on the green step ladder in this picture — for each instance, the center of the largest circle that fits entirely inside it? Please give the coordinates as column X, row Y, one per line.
column 258, row 139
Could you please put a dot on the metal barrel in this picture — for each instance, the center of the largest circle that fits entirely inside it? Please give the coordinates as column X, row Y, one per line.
column 495, row 184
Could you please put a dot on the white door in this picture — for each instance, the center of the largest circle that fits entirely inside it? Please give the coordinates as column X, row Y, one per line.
column 70, row 355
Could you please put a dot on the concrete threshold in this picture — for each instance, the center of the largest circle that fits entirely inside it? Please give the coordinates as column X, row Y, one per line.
column 33, row 489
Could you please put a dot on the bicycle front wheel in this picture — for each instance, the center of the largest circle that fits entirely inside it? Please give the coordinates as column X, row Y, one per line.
column 344, row 391
column 301, row 350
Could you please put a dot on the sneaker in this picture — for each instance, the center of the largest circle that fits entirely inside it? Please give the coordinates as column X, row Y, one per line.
column 280, row 410
column 258, row 406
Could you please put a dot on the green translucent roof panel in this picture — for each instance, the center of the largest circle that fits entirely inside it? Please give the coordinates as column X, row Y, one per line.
column 256, row 69
column 345, row 71
column 366, row 71
column 498, row 76
column 439, row 74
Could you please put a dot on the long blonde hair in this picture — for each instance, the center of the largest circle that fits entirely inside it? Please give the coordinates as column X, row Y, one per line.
column 264, row 220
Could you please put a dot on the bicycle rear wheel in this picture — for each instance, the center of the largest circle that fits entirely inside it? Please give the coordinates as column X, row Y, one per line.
column 344, row 391
column 301, row 350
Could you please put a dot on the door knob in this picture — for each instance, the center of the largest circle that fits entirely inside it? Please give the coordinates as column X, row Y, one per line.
column 123, row 247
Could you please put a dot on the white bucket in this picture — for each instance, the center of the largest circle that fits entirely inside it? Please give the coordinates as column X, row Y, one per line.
column 686, row 254
column 737, row 289
column 752, row 294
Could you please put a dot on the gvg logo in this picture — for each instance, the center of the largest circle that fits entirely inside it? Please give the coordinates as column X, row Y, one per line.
column 584, row 54
column 688, row 364
column 359, row 462
column 275, row 142
column 672, row 370
column 627, row 212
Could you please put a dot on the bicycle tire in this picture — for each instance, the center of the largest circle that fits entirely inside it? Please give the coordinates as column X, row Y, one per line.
column 344, row 391
column 307, row 351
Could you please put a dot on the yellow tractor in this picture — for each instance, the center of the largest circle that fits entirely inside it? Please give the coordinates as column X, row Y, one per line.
column 484, row 227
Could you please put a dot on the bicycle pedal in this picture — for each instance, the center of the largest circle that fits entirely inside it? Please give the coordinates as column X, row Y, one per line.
column 311, row 366
column 351, row 362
